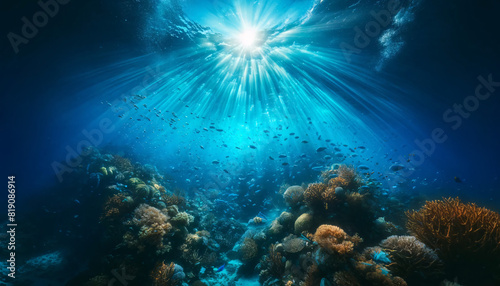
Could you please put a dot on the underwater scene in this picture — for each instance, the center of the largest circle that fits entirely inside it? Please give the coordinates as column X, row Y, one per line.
column 246, row 143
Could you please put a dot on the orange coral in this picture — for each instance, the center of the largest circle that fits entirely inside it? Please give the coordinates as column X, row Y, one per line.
column 465, row 236
column 115, row 207
column 163, row 274
column 338, row 182
column 347, row 178
column 319, row 196
column 334, row 240
column 328, row 196
column 153, row 227
column 457, row 230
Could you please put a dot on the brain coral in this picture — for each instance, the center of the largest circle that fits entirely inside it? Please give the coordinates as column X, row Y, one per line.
column 303, row 222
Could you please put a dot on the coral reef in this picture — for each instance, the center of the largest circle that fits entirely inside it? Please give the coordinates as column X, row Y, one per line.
column 163, row 275
column 116, row 207
column 334, row 240
column 248, row 249
column 313, row 196
column 413, row 260
column 294, row 237
column 153, row 226
column 465, row 236
column 275, row 261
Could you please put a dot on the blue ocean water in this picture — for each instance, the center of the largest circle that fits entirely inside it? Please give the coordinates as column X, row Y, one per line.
column 115, row 110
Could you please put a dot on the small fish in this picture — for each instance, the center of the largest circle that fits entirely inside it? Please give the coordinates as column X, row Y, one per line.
column 253, row 147
column 215, row 162
column 305, row 142
column 271, row 158
column 320, row 149
column 201, row 146
column 282, row 156
column 226, row 171
column 285, row 164
column 457, row 179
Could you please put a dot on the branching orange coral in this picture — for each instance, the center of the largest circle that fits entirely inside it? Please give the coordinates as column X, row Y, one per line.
column 335, row 240
column 319, row 196
column 115, row 207
column 162, row 275
column 347, row 178
column 457, row 230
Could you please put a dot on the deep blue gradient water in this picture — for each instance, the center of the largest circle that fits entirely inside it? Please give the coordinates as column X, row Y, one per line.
column 178, row 85
column 93, row 53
